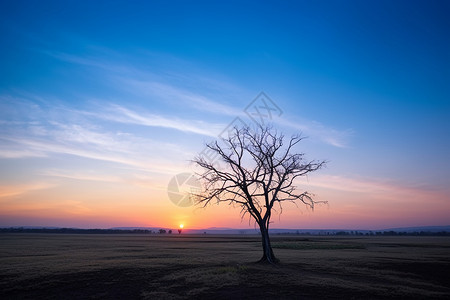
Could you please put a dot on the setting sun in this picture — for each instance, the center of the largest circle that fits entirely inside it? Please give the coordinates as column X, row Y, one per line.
column 181, row 226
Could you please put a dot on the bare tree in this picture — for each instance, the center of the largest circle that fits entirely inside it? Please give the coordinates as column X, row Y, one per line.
column 257, row 172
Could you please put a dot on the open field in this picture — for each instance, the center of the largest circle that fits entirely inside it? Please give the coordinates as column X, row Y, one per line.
column 58, row 266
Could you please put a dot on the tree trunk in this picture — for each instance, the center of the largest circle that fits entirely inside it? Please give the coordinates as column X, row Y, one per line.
column 268, row 256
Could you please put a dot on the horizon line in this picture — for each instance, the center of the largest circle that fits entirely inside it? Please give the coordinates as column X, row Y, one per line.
column 218, row 228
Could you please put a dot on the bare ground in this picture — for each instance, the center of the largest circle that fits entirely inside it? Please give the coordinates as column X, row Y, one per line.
column 57, row 266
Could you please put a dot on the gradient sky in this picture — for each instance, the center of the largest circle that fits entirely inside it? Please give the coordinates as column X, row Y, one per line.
column 103, row 102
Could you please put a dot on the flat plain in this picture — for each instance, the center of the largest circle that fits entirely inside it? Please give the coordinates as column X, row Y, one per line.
column 113, row 266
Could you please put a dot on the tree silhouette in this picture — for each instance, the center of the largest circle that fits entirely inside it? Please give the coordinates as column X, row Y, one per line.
column 257, row 172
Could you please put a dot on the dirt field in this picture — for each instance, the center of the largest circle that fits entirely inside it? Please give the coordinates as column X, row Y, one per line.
column 57, row 266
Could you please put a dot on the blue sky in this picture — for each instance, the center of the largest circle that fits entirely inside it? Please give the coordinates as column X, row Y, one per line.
column 106, row 98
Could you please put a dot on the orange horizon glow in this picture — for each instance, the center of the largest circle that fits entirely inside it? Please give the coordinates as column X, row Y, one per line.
column 353, row 203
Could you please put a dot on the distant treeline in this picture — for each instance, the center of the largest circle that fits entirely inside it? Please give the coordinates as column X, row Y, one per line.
column 371, row 233
column 395, row 233
column 76, row 230
column 164, row 231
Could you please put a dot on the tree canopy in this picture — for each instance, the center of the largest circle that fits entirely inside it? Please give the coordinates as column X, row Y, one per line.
column 256, row 171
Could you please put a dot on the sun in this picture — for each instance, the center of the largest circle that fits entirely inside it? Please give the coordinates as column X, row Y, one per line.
column 181, row 226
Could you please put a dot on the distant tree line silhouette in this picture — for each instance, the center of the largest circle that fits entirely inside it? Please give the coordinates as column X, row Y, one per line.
column 81, row 231
column 163, row 231
column 395, row 233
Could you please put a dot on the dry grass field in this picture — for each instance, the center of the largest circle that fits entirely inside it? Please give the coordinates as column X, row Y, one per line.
column 58, row 266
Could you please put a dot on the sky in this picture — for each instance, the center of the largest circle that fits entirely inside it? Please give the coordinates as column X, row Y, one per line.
column 103, row 103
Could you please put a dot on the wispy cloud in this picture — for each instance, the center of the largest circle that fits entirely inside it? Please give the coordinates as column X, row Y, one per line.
column 326, row 134
column 143, row 179
column 59, row 147
column 124, row 115
column 170, row 92
column 176, row 87
column 14, row 152
column 56, row 130
column 18, row 189
column 383, row 189
column 314, row 129
column 91, row 61
column 87, row 176
column 318, row 130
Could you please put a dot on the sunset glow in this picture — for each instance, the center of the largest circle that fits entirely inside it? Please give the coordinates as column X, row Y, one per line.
column 103, row 107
